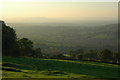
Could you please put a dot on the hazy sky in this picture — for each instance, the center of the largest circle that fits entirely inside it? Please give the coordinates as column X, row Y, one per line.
column 63, row 10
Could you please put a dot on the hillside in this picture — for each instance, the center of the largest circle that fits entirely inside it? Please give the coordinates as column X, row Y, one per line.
column 67, row 36
column 55, row 68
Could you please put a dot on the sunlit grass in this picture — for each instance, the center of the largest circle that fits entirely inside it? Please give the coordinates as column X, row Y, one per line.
column 54, row 68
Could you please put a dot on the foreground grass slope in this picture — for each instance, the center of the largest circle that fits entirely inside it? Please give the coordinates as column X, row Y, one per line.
column 53, row 68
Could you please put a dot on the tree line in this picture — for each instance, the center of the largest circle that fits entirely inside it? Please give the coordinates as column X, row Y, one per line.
column 13, row 46
column 104, row 55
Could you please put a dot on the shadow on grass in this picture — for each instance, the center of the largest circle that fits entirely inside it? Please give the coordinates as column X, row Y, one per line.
column 106, row 71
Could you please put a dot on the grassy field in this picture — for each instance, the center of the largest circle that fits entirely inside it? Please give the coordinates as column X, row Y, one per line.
column 54, row 68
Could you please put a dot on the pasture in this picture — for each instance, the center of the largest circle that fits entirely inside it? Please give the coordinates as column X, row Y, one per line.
column 55, row 68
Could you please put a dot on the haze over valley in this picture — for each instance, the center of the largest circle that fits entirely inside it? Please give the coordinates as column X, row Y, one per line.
column 63, row 36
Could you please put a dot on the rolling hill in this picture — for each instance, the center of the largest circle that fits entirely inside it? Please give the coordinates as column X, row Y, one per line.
column 59, row 38
column 55, row 68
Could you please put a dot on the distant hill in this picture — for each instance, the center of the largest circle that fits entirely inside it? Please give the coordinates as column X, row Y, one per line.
column 67, row 35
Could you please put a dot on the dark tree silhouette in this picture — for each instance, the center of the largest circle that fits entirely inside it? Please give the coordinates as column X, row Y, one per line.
column 79, row 56
column 25, row 46
column 9, row 45
column 91, row 54
column 37, row 53
column 105, row 55
column 116, row 57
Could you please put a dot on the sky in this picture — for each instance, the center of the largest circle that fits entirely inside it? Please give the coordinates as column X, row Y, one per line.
column 13, row 11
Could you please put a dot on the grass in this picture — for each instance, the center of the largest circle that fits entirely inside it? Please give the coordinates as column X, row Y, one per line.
column 54, row 68
column 103, row 36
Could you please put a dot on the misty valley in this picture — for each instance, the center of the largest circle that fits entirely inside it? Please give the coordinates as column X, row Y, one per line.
column 63, row 37
column 37, row 50
column 59, row 39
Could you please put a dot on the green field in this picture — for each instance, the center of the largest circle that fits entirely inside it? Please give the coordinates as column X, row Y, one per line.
column 54, row 68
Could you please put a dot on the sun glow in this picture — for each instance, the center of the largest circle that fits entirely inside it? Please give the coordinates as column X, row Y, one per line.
column 70, row 10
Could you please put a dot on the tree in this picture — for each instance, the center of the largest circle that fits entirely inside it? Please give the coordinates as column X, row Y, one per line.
column 116, row 57
column 37, row 53
column 105, row 55
column 9, row 43
column 91, row 55
column 60, row 56
column 79, row 56
column 72, row 53
column 25, row 46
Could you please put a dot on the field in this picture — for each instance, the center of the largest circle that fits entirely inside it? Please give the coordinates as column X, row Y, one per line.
column 54, row 68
